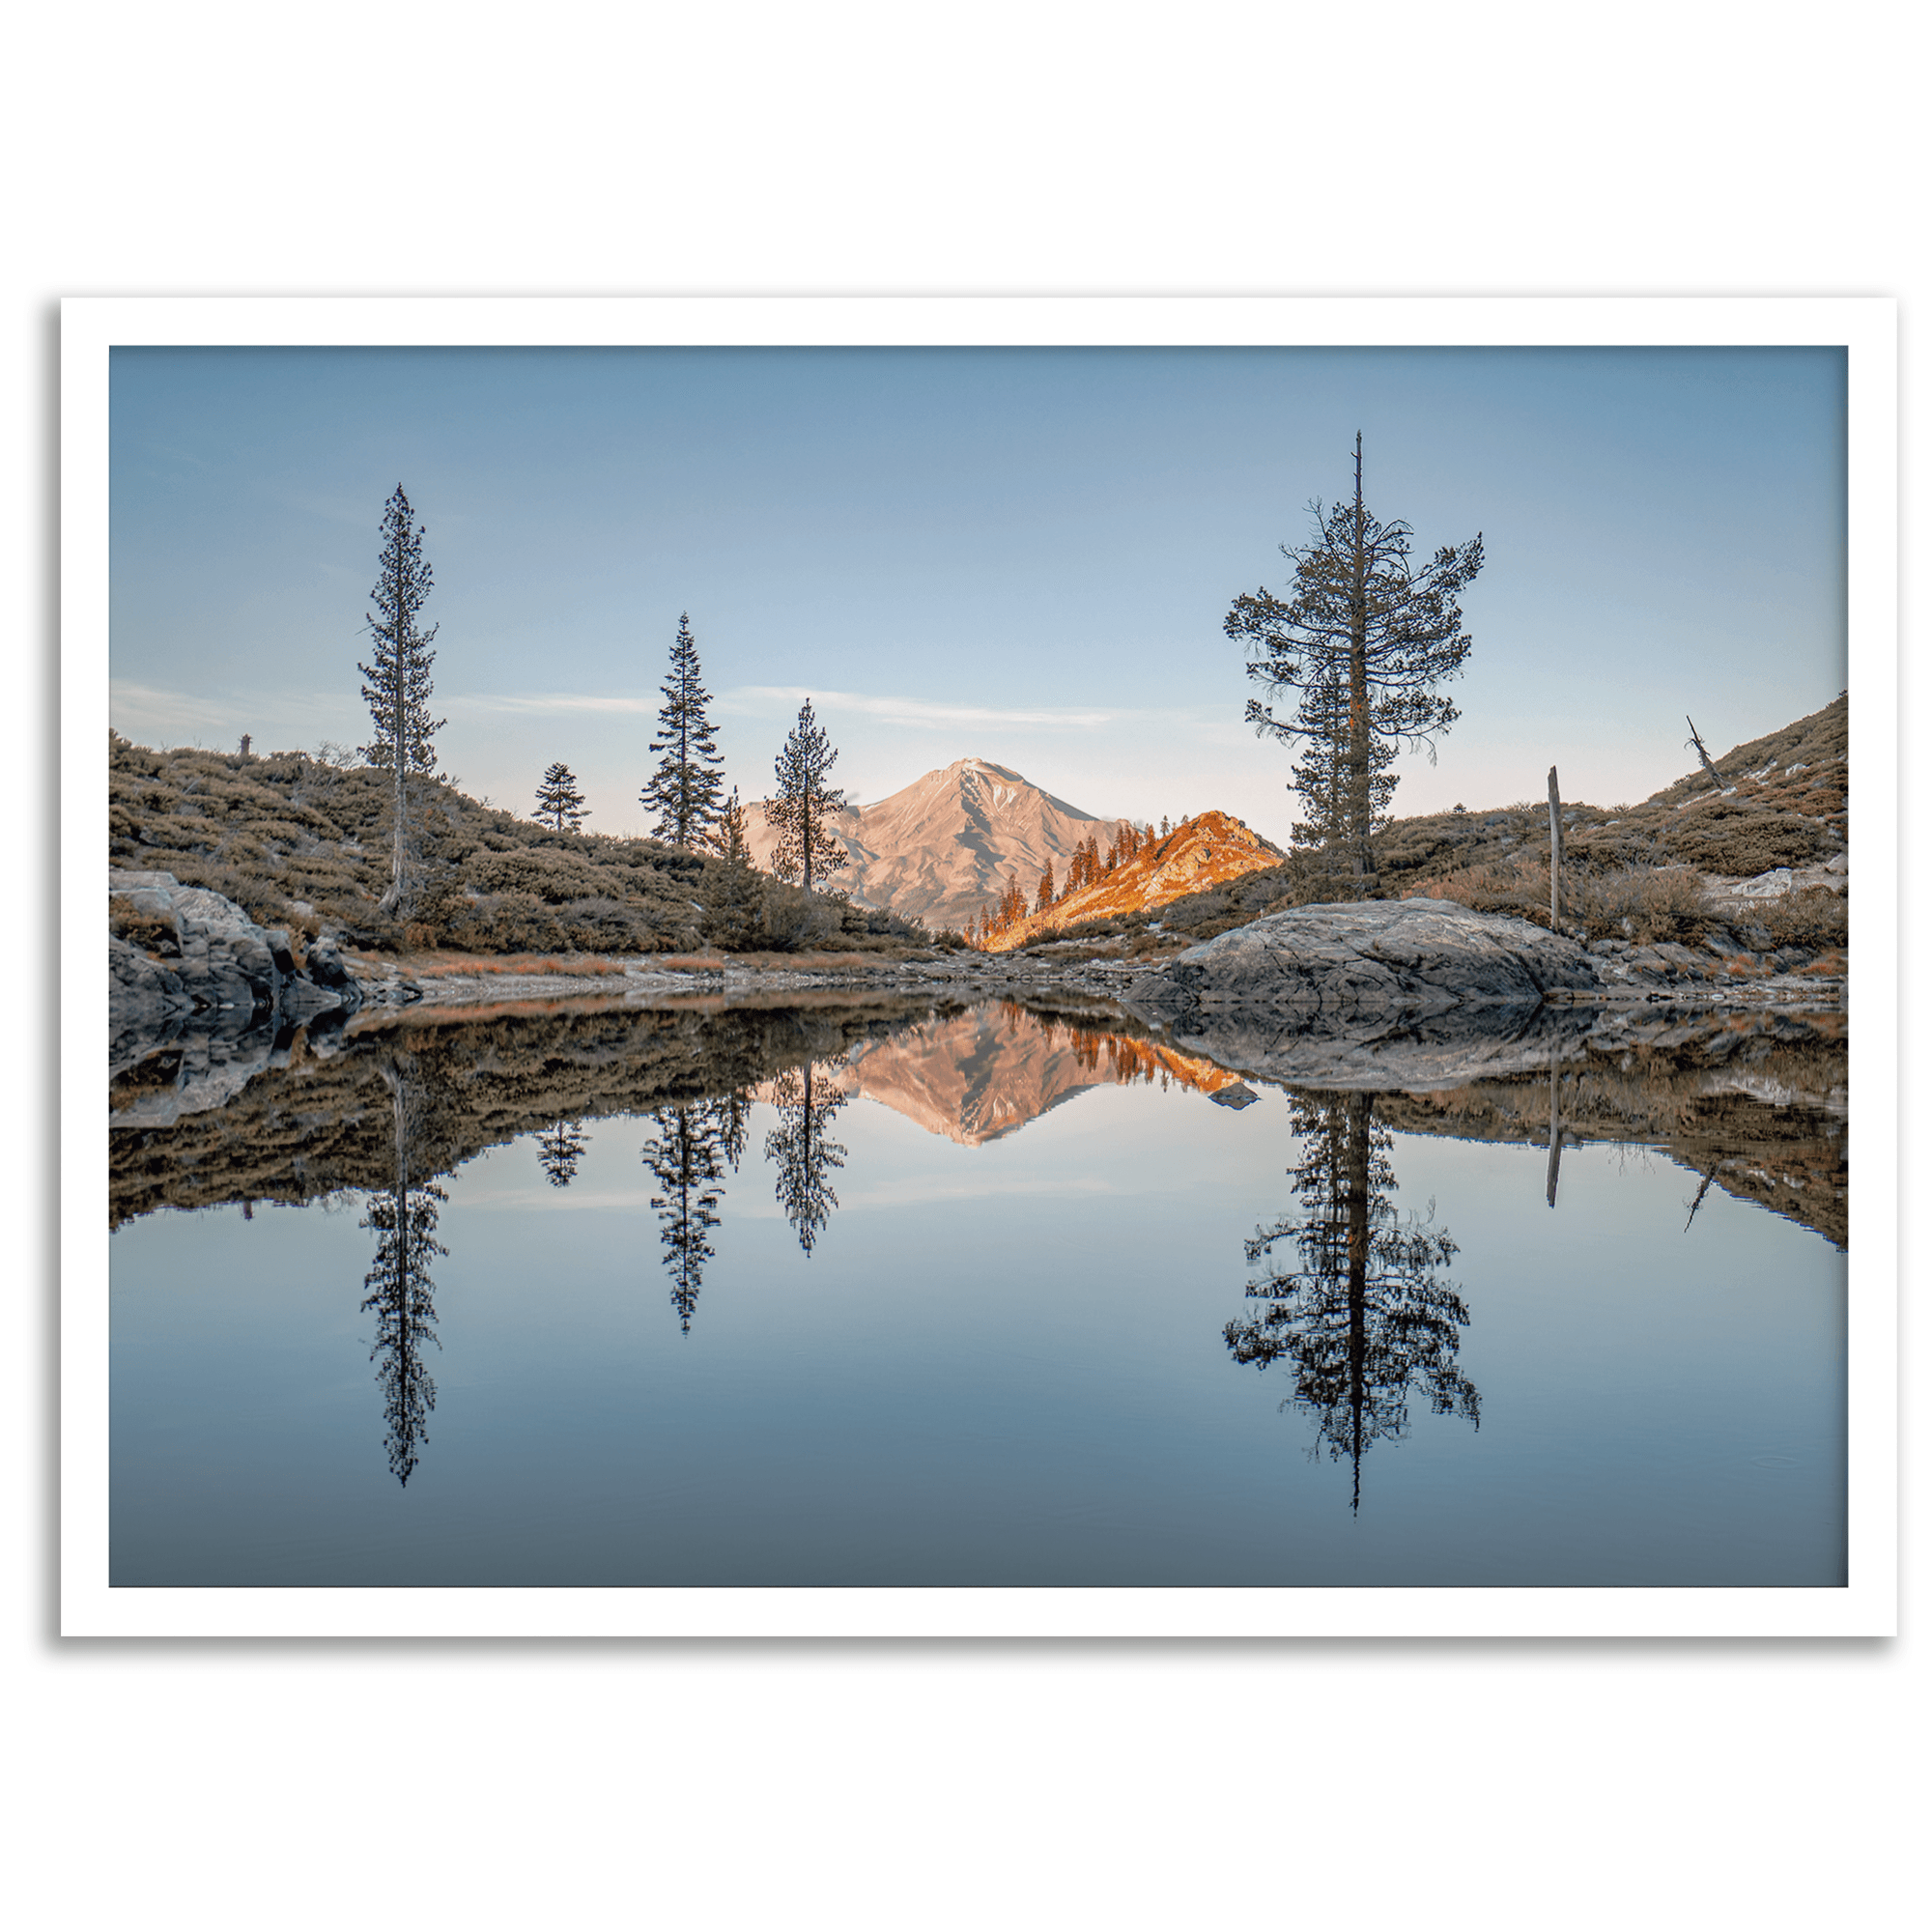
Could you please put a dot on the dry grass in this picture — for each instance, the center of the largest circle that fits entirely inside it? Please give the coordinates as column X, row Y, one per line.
column 464, row 965
column 1641, row 904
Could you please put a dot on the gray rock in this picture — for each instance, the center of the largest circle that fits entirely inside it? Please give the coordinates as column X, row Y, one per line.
column 147, row 1006
column 230, row 981
column 1360, row 964
column 1770, row 885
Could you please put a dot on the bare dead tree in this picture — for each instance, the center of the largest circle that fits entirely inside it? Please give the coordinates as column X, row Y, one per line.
column 1704, row 756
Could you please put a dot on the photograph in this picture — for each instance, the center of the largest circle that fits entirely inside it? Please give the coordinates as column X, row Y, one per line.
column 791, row 981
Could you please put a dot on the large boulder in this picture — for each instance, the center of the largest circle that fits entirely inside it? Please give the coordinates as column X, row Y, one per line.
column 1361, row 963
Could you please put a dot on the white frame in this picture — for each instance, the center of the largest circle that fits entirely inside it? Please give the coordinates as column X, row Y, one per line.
column 1867, row 328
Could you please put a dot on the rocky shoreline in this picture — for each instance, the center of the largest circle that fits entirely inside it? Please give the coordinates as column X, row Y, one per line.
column 1395, row 992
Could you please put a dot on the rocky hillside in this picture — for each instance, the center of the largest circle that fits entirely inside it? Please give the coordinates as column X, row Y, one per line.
column 939, row 849
column 1200, row 854
column 1758, row 859
column 301, row 845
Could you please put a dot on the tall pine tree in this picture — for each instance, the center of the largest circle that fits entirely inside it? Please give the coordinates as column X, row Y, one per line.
column 805, row 801
column 1363, row 643
column 686, row 789
column 397, row 688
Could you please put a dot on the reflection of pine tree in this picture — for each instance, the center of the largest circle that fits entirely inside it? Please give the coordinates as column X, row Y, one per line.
column 732, row 1115
column 686, row 1155
column 802, row 1154
column 560, row 1149
column 402, row 1299
column 1361, row 1319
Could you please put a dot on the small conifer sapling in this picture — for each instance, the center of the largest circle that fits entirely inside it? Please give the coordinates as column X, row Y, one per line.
column 559, row 804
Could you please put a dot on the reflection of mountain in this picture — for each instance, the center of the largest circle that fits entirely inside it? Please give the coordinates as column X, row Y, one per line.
column 976, row 1075
column 942, row 848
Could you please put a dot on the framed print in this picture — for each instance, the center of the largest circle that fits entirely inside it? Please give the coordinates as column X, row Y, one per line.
column 1010, row 967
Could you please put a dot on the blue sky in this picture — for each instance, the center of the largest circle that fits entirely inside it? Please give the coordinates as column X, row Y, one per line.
column 1019, row 555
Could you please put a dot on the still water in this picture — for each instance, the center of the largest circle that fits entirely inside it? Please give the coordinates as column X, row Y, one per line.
column 967, row 1298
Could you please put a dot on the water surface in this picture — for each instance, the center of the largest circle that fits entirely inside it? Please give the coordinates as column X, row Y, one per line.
column 916, row 1296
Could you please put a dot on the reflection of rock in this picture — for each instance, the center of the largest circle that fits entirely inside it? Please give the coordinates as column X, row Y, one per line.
column 1378, row 960
column 145, row 1004
column 1414, row 1054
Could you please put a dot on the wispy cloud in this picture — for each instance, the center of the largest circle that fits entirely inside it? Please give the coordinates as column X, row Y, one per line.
column 917, row 713
column 142, row 707
column 539, row 703
column 772, row 700
column 152, row 716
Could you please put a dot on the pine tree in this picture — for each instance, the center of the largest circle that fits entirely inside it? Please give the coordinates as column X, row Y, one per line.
column 397, row 688
column 805, row 801
column 686, row 789
column 558, row 800
column 1045, row 896
column 1364, row 641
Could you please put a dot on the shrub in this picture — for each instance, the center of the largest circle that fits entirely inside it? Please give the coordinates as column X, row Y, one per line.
column 150, row 932
column 1814, row 918
column 1639, row 904
column 603, row 925
column 1738, row 843
column 504, row 922
column 795, row 920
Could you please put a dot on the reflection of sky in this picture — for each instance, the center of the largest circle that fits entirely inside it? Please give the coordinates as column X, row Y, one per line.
column 992, row 1370
column 1018, row 554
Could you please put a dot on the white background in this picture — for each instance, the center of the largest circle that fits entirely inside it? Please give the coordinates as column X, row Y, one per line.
column 859, row 148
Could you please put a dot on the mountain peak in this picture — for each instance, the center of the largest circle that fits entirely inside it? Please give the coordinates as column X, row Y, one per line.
column 943, row 846
column 1205, row 850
